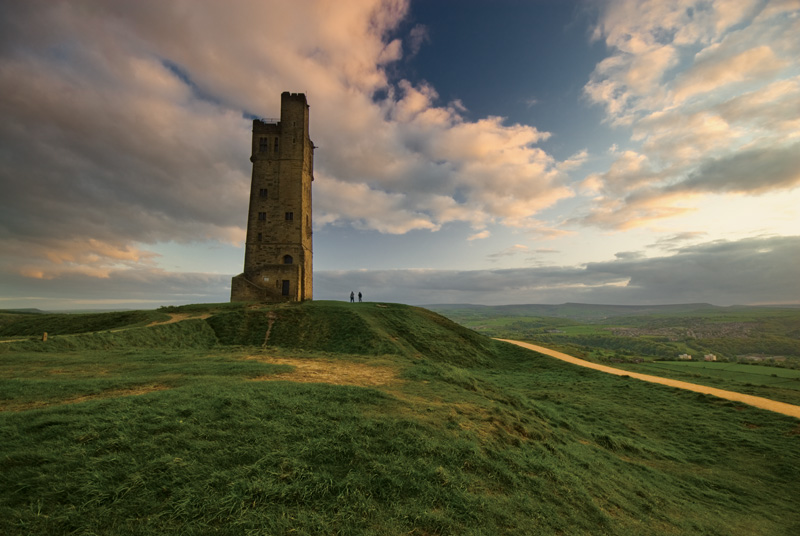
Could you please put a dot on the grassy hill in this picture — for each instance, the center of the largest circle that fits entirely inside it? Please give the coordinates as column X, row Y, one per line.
column 335, row 418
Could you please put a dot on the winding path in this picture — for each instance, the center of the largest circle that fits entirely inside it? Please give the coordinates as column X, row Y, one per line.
column 757, row 401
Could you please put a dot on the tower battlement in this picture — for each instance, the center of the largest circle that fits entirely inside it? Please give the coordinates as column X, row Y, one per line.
column 278, row 247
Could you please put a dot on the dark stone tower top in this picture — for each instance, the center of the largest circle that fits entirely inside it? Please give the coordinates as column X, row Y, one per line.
column 278, row 250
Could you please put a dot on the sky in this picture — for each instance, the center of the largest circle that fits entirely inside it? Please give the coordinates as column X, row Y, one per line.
column 491, row 152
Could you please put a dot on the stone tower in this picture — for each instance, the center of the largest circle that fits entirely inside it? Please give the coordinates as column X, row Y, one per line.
column 277, row 257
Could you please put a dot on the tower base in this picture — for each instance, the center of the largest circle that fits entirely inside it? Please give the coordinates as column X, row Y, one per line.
column 273, row 283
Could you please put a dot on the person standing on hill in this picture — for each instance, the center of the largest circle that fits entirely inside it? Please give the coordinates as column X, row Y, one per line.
column 359, row 296
column 352, row 297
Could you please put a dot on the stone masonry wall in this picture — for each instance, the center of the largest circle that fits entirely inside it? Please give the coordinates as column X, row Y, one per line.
column 279, row 240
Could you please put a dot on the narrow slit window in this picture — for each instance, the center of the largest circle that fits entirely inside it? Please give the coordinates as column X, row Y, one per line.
column 262, row 216
column 262, row 192
column 275, row 150
column 289, row 216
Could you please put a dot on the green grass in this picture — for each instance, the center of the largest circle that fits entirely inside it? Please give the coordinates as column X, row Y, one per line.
column 735, row 370
column 661, row 332
column 775, row 383
column 473, row 436
column 12, row 325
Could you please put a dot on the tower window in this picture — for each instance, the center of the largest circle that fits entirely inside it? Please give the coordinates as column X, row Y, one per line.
column 287, row 259
column 276, row 146
column 262, row 192
column 263, row 145
column 260, row 236
column 289, row 216
column 262, row 216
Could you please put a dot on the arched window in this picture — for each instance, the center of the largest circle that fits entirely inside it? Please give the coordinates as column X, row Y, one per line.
column 287, row 259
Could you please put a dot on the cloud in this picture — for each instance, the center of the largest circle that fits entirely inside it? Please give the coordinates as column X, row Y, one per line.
column 755, row 171
column 763, row 111
column 641, row 208
column 704, row 87
column 125, row 123
column 671, row 243
column 508, row 252
column 417, row 36
column 133, row 288
column 629, row 255
column 574, row 162
column 480, row 235
column 711, row 72
column 750, row 271
column 367, row 208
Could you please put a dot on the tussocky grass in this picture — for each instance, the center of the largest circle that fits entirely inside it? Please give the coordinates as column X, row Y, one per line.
column 473, row 436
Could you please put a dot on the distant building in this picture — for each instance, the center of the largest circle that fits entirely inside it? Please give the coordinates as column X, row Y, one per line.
column 709, row 357
column 277, row 257
column 685, row 357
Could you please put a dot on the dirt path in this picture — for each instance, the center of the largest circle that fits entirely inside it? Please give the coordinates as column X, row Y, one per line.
column 757, row 401
column 178, row 317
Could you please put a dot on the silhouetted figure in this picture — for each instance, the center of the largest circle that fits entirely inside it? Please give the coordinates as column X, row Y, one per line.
column 359, row 296
column 352, row 297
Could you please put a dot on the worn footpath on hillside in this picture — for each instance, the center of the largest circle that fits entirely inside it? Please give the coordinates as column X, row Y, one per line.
column 757, row 401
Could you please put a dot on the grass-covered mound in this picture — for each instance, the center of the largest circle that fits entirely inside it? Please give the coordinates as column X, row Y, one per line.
column 363, row 329
column 418, row 427
column 16, row 324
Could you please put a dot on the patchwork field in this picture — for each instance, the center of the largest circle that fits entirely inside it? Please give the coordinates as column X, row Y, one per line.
column 755, row 346
column 332, row 418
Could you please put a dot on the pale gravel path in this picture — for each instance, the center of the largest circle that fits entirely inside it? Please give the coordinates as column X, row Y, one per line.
column 757, row 401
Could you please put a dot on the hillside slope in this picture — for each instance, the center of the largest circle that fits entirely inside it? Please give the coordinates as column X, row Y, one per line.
column 367, row 419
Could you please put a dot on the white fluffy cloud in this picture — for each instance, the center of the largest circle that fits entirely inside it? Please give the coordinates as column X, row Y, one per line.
column 125, row 123
column 710, row 91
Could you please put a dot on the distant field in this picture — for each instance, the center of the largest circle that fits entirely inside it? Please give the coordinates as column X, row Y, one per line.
column 772, row 375
column 365, row 419
column 652, row 332
column 619, row 335
column 776, row 383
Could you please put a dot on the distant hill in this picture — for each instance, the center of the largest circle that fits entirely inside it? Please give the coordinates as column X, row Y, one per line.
column 588, row 311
